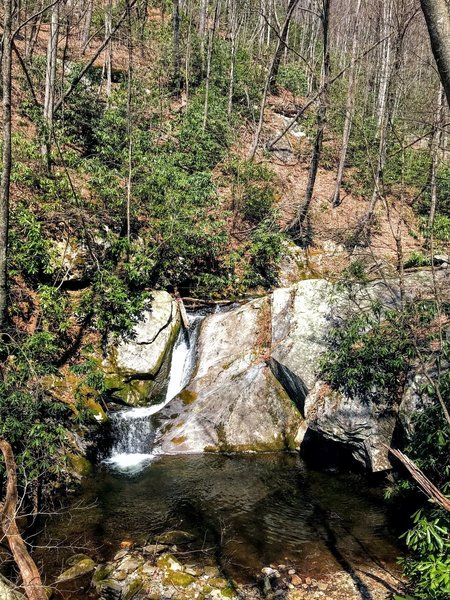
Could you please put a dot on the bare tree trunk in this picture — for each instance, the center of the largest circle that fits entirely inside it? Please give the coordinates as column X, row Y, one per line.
column 30, row 575
column 435, row 150
column 281, row 47
column 349, row 109
column 438, row 22
column 321, row 122
column 176, row 21
column 87, row 26
column 202, row 18
column 212, row 33
column 5, row 182
column 50, row 79
column 233, row 34
column 108, row 54
column 129, row 121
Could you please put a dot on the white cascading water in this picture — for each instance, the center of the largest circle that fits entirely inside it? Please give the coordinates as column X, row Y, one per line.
column 133, row 427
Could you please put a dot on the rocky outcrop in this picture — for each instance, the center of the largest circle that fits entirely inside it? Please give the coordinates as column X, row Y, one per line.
column 256, row 384
column 137, row 367
column 234, row 403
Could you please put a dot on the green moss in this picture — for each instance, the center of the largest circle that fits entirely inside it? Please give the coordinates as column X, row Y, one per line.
column 178, row 440
column 218, row 582
column 80, row 465
column 188, row 397
column 179, row 579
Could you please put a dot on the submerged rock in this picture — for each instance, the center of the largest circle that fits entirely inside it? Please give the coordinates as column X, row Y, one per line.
column 137, row 367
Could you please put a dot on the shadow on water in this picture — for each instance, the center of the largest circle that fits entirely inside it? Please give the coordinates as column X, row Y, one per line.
column 247, row 512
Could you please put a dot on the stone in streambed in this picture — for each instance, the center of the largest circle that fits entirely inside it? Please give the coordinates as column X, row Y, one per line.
column 80, row 568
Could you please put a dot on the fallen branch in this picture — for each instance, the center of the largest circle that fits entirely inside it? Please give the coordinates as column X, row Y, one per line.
column 31, row 578
column 422, row 480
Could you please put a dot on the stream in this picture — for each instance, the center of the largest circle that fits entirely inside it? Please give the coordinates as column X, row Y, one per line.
column 245, row 511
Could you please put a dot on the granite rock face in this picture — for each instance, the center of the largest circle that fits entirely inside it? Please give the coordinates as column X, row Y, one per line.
column 137, row 367
column 256, row 385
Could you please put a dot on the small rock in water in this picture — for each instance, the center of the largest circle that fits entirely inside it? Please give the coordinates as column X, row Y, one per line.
column 154, row 548
column 175, row 537
column 82, row 567
column 291, row 571
column 126, row 544
column 282, row 567
column 308, row 581
column 270, row 572
column 119, row 555
column 296, row 580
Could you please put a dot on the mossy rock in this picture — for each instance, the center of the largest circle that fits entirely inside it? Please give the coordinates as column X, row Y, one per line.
column 101, row 573
column 79, row 465
column 168, row 562
column 83, row 567
column 178, row 579
column 175, row 537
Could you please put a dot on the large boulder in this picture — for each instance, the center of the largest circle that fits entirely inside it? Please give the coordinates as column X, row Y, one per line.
column 137, row 366
column 256, row 385
column 234, row 402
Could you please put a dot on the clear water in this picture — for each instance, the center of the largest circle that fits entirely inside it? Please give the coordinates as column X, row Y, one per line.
column 248, row 511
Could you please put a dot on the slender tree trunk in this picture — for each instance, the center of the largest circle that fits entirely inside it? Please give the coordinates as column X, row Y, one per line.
column 176, row 21
column 438, row 22
column 321, row 122
column 364, row 228
column 435, row 155
column 85, row 34
column 130, row 121
column 108, row 54
column 5, row 181
column 50, row 79
column 233, row 34
column 281, row 47
column 202, row 17
column 30, row 575
column 211, row 36
column 349, row 108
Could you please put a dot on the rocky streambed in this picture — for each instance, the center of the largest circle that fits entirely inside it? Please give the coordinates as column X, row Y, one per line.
column 213, row 527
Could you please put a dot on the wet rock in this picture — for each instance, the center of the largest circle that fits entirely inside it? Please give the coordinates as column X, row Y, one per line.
column 236, row 403
column 296, row 580
column 136, row 368
column 154, row 548
column 80, row 568
column 175, row 537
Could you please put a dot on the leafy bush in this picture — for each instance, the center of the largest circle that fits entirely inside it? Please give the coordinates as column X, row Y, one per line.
column 114, row 306
column 369, row 355
column 30, row 252
column 428, row 569
column 292, row 77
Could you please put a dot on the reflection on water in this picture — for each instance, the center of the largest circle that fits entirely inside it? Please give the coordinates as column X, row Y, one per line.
column 253, row 510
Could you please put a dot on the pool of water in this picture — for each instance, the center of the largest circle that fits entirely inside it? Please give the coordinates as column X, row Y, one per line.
column 249, row 511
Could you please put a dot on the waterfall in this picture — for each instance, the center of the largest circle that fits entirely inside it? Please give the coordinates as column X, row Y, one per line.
column 132, row 427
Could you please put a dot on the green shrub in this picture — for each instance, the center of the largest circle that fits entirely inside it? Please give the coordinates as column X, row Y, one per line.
column 30, row 251
column 293, row 78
